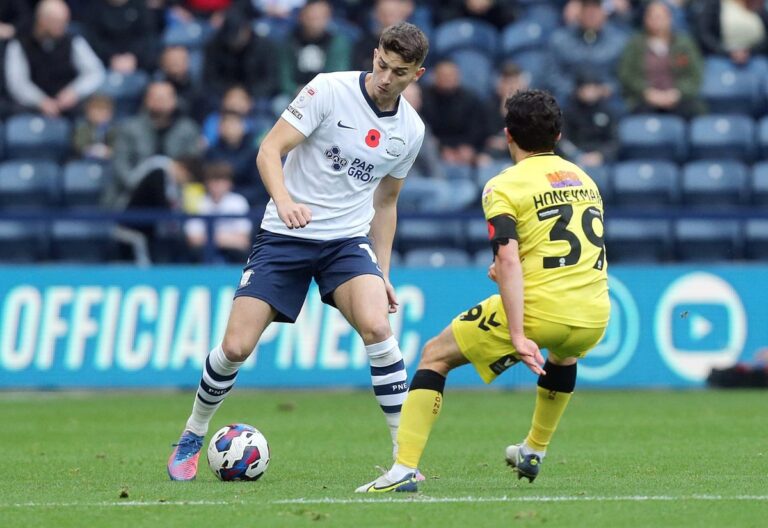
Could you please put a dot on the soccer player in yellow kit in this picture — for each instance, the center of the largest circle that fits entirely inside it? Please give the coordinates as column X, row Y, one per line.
column 545, row 224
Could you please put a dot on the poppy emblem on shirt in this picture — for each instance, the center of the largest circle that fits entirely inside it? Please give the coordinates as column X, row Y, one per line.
column 372, row 138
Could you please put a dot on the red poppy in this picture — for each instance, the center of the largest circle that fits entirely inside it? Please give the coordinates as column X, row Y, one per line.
column 372, row 138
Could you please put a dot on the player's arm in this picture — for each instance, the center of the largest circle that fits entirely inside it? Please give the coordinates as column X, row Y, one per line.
column 509, row 276
column 383, row 228
column 280, row 141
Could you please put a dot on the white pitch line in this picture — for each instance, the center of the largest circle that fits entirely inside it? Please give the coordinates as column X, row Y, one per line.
column 414, row 499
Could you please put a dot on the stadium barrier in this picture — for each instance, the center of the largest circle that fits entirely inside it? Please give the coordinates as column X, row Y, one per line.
column 130, row 327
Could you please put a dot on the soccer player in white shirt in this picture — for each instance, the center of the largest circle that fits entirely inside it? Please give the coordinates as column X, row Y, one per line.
column 350, row 140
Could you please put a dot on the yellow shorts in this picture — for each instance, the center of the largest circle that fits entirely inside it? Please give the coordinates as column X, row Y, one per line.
column 482, row 334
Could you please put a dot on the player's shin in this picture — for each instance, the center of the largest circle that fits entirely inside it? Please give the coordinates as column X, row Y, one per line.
column 420, row 411
column 389, row 380
column 552, row 396
column 218, row 377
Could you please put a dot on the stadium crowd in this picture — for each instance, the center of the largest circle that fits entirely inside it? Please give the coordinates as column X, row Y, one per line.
column 134, row 104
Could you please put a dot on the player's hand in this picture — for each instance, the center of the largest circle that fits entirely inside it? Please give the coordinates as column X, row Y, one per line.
column 529, row 353
column 293, row 215
column 391, row 296
column 492, row 272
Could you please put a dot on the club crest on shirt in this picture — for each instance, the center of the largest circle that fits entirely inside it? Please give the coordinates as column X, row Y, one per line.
column 395, row 146
column 487, row 195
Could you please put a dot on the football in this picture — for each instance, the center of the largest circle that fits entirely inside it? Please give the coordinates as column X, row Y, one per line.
column 238, row 452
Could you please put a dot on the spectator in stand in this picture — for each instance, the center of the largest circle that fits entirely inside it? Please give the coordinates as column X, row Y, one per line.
column 160, row 129
column 122, row 34
column 498, row 13
column 735, row 28
column 174, row 68
column 660, row 70
column 236, row 100
column 48, row 69
column 385, row 13
column 453, row 114
column 237, row 147
column 592, row 44
column 236, row 55
column 620, row 11
column 211, row 11
column 511, row 80
column 589, row 133
column 427, row 164
column 231, row 236
column 95, row 132
column 277, row 8
column 15, row 15
column 312, row 48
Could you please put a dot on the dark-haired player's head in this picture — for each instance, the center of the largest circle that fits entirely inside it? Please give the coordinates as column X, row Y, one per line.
column 533, row 119
column 397, row 62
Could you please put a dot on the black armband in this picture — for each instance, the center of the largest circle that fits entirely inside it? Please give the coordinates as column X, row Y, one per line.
column 500, row 229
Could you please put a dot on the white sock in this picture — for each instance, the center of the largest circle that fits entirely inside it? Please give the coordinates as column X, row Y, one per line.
column 398, row 472
column 218, row 377
column 528, row 450
column 389, row 379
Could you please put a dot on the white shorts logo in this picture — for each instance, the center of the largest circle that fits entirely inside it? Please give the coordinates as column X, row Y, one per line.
column 245, row 280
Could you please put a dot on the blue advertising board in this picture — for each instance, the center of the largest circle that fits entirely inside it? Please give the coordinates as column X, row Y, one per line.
column 119, row 327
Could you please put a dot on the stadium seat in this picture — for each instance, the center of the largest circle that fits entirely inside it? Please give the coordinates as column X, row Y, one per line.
column 601, row 175
column 707, row 240
column 126, row 89
column 652, row 136
column 74, row 241
column 726, row 136
column 647, row 183
column 455, row 172
column 22, row 241
column 28, row 184
column 523, row 35
column 465, row 33
column 37, row 137
column 762, row 137
column 758, row 191
column 191, row 35
column 756, row 239
column 486, row 172
column 83, row 183
column 714, row 183
column 437, row 258
column 534, row 63
column 638, row 240
column 483, row 258
column 2, row 141
column 274, row 28
column 477, row 235
column 477, row 71
column 541, row 11
column 729, row 88
column 417, row 233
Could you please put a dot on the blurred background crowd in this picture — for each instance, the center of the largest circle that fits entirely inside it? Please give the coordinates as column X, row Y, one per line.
column 121, row 105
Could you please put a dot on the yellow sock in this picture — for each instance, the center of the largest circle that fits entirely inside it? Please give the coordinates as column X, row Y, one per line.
column 550, row 406
column 420, row 411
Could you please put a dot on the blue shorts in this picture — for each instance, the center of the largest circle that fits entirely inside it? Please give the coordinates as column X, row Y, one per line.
column 280, row 268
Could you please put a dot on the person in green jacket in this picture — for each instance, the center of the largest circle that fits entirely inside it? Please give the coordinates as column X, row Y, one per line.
column 661, row 70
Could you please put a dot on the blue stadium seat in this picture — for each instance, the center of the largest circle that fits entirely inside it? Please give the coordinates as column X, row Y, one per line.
column 465, row 33
column 83, row 182
column 726, row 136
column 762, row 137
column 653, row 136
column 477, row 71
column 486, row 172
column 417, row 233
column 483, row 258
column 2, row 141
column 541, row 11
column 523, row 35
column 602, row 177
column 638, row 240
column 707, row 240
column 126, row 89
column 714, row 183
column 274, row 28
column 73, row 241
column 535, row 64
column 758, row 191
column 647, row 183
column 729, row 88
column 477, row 236
column 38, row 137
column 456, row 172
column 437, row 257
column 191, row 35
column 29, row 184
column 22, row 241
column 756, row 239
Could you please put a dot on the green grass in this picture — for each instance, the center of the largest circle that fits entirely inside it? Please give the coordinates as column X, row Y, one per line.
column 66, row 459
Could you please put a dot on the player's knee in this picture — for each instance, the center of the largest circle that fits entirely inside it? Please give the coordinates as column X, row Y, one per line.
column 235, row 349
column 376, row 332
column 432, row 358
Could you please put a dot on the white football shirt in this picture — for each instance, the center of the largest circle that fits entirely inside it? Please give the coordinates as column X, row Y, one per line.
column 351, row 145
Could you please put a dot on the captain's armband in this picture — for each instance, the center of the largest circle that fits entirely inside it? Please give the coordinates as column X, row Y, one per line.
column 500, row 229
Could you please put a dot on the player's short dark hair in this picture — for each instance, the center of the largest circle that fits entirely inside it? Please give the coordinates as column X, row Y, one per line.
column 406, row 40
column 534, row 120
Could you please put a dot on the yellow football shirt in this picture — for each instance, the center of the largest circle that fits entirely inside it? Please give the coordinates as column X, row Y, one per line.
column 559, row 217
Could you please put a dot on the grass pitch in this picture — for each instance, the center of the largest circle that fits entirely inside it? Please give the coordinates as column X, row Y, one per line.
column 618, row 459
